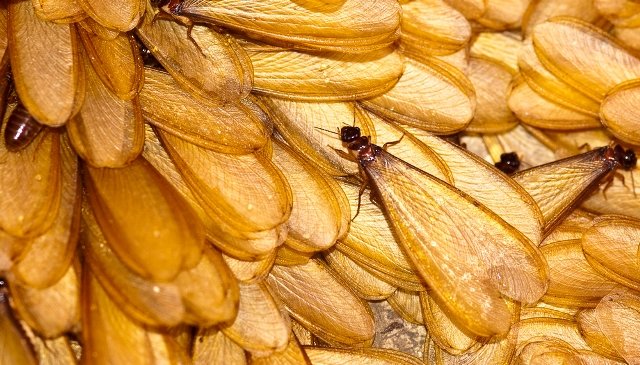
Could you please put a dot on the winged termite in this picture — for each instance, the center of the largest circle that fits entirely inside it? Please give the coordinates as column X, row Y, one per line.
column 109, row 335
column 430, row 94
column 31, row 183
column 118, row 15
column 347, row 26
column 335, row 356
column 537, row 111
column 432, row 27
column 531, row 150
column 51, row 311
column 509, row 163
column 207, row 64
column 415, row 203
column 148, row 302
column 262, row 326
column 590, row 330
column 108, row 131
column 500, row 14
column 618, row 113
column 584, row 56
column 559, row 186
column 363, row 283
column 618, row 314
column 335, row 316
column 45, row 64
column 47, row 257
column 491, row 81
column 59, row 11
column 116, row 61
column 541, row 10
column 572, row 281
column 322, row 76
column 611, row 247
column 22, row 129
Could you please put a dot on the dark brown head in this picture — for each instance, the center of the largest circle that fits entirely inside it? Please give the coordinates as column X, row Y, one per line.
column 349, row 134
column 616, row 154
column 509, row 163
column 626, row 158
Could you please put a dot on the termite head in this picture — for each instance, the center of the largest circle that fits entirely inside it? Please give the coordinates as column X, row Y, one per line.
column 616, row 154
column 349, row 134
column 509, row 163
column 626, row 158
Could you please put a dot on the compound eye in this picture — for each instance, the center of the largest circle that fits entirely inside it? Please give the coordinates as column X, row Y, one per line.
column 349, row 134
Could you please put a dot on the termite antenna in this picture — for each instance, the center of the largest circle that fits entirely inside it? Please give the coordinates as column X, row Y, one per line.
column 633, row 185
column 328, row 131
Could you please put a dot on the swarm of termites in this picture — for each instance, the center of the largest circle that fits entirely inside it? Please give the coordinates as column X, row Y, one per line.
column 319, row 182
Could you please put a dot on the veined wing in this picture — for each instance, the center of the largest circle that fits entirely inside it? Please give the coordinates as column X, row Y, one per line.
column 466, row 253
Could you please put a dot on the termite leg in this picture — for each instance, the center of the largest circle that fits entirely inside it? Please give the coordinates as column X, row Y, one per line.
column 584, row 146
column 189, row 29
column 388, row 144
column 363, row 186
column 610, row 182
column 343, row 154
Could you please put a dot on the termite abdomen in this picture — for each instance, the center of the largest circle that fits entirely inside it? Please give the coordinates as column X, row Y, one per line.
column 22, row 128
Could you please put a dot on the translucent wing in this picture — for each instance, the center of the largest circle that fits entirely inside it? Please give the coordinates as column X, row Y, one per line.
column 467, row 254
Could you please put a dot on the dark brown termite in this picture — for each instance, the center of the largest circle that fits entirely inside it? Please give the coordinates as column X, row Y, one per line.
column 364, row 152
column 22, row 129
column 509, row 163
